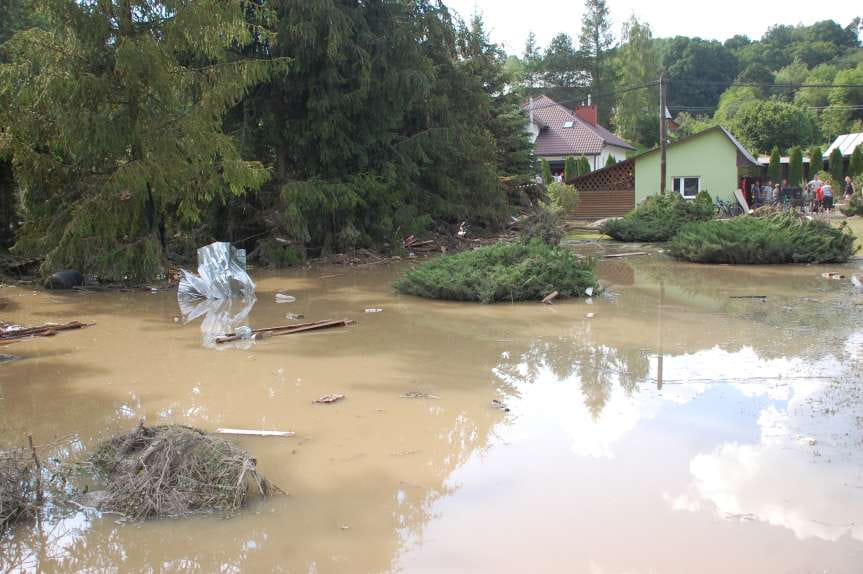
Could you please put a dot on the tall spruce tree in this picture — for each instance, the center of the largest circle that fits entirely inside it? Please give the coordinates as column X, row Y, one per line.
column 545, row 171
column 837, row 166
column 563, row 77
column 774, row 168
column 113, row 112
column 795, row 166
column 638, row 64
column 374, row 140
column 595, row 44
column 855, row 166
column 533, row 64
column 570, row 169
column 816, row 161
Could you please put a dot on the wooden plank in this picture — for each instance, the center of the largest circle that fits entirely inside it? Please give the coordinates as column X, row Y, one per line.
column 247, row 432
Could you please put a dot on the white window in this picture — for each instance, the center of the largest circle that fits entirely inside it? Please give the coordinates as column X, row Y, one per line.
column 688, row 187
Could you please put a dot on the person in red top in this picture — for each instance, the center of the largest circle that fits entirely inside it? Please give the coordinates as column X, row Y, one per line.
column 819, row 198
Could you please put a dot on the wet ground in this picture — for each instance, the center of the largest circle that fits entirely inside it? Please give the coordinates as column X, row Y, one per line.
column 677, row 430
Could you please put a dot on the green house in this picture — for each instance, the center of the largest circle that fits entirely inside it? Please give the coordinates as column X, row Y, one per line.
column 711, row 160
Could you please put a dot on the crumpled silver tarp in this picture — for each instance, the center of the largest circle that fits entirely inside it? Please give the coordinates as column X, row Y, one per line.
column 221, row 274
column 220, row 316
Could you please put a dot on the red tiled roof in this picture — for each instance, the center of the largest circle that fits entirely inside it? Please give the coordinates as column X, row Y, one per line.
column 580, row 139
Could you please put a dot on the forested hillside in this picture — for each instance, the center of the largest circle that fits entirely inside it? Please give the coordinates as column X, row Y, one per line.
column 797, row 85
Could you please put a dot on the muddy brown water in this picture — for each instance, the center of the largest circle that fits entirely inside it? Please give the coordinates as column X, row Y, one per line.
column 677, row 430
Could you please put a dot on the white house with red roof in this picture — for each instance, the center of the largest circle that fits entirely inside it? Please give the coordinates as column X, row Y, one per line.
column 558, row 132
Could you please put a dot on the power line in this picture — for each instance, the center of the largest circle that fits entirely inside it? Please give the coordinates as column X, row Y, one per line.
column 762, row 84
column 597, row 96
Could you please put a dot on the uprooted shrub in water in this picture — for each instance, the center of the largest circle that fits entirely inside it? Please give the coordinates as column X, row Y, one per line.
column 517, row 271
column 777, row 238
column 659, row 217
column 17, row 488
column 167, row 471
column 546, row 221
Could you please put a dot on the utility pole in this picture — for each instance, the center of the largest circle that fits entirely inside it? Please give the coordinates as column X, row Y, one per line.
column 662, row 108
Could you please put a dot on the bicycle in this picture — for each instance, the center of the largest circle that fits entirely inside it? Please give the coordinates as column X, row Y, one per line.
column 727, row 209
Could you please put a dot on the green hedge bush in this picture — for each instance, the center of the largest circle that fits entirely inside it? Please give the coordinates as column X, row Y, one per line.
column 778, row 238
column 659, row 217
column 519, row 271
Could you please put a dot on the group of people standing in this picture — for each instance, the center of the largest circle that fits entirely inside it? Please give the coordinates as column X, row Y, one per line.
column 815, row 197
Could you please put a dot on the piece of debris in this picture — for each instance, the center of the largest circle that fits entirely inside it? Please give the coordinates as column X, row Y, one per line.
column 857, row 282
column 18, row 486
column 418, row 395
column 64, row 280
column 8, row 358
column 295, row 316
column 16, row 333
column 589, row 291
column 590, row 316
column 374, row 310
column 831, row 275
column 498, row 404
column 285, row 298
column 329, row 398
column 221, row 274
column 616, row 255
column 549, row 299
column 173, row 470
column 761, row 297
column 258, row 334
column 247, row 432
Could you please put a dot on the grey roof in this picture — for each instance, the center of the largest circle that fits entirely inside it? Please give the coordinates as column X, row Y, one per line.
column 749, row 157
column 743, row 151
column 554, row 139
column 846, row 144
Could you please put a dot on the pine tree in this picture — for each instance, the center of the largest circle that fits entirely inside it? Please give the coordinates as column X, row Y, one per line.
column 855, row 167
column 816, row 161
column 610, row 161
column 545, row 172
column 795, row 167
column 774, row 168
column 533, row 64
column 837, row 166
column 570, row 169
column 114, row 115
column 563, row 76
column 596, row 42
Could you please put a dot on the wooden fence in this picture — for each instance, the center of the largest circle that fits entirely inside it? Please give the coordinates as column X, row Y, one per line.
column 601, row 204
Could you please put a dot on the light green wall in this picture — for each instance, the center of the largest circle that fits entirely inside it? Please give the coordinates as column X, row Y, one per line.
column 709, row 155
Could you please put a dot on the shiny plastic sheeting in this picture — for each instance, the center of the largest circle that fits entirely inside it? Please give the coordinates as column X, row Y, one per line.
column 221, row 274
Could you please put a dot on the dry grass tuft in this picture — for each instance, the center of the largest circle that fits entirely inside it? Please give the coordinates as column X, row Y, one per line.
column 170, row 471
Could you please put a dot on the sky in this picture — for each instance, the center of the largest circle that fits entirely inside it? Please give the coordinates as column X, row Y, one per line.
column 509, row 21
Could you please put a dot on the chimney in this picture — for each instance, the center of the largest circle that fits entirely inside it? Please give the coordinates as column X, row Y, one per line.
column 587, row 113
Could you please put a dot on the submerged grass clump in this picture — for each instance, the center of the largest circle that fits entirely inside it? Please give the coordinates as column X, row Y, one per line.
column 519, row 271
column 169, row 471
column 777, row 238
column 17, row 487
column 659, row 217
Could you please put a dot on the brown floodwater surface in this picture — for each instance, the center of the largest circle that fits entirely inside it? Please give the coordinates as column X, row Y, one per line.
column 680, row 429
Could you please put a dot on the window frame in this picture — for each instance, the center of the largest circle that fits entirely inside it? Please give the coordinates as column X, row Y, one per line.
column 682, row 179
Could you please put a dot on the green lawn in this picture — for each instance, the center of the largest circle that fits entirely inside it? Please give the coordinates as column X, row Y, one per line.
column 856, row 225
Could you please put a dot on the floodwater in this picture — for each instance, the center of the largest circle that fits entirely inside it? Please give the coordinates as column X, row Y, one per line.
column 678, row 430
